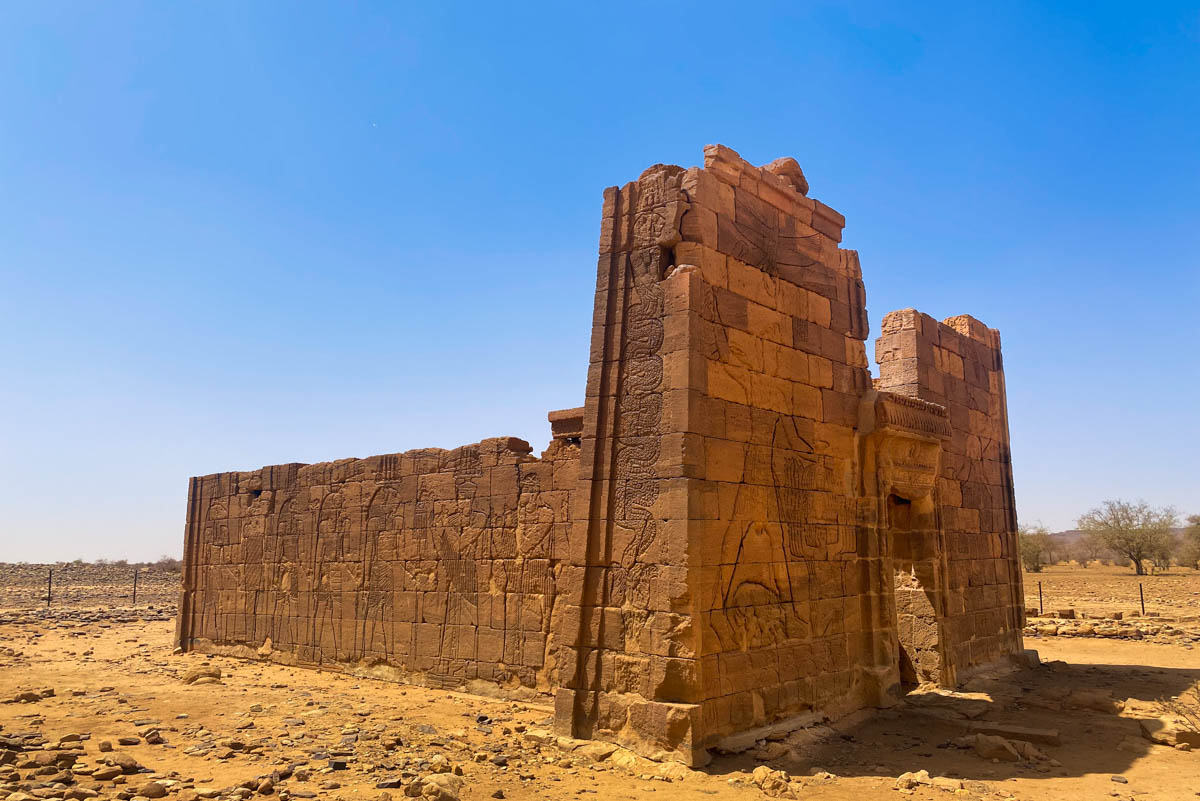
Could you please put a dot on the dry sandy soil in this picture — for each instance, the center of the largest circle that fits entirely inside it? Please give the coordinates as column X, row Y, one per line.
column 84, row 585
column 1100, row 590
column 331, row 736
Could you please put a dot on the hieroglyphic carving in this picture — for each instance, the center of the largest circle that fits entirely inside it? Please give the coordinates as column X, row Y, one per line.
column 640, row 405
column 448, row 571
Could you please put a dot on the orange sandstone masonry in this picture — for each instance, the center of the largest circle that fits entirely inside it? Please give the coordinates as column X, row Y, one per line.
column 738, row 533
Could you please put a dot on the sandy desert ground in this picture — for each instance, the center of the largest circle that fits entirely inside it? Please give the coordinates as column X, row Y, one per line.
column 97, row 706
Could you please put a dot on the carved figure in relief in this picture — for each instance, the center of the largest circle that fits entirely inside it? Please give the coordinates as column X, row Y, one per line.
column 535, row 520
column 798, row 471
column 288, row 571
column 334, row 523
column 640, row 404
column 755, row 604
column 216, row 523
column 468, row 469
column 383, row 517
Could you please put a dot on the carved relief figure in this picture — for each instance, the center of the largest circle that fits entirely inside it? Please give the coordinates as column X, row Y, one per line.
column 383, row 520
column 334, row 524
column 640, row 404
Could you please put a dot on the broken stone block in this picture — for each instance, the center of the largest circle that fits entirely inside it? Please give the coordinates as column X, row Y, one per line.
column 201, row 672
column 774, row 783
column 1169, row 730
column 992, row 747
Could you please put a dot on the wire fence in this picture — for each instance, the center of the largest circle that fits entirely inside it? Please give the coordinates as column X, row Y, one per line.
column 1112, row 593
column 72, row 585
column 1040, row 609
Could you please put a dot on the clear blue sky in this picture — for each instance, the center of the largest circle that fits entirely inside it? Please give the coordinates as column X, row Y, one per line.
column 235, row 234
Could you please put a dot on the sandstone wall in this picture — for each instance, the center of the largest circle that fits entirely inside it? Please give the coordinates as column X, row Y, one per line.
column 957, row 364
column 716, row 517
column 630, row 675
column 440, row 566
column 776, row 323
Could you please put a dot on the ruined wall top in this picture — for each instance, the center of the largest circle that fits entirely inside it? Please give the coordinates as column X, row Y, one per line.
column 962, row 324
column 780, row 183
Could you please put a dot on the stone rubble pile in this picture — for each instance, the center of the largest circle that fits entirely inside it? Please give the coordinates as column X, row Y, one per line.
column 1182, row 630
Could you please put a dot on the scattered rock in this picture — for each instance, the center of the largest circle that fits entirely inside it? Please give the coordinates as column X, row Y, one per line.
column 907, row 781
column 596, row 751
column 442, row 787
column 774, row 783
column 1169, row 730
column 992, row 747
column 106, row 773
column 946, row 784
column 153, row 790
column 126, row 763
column 202, row 672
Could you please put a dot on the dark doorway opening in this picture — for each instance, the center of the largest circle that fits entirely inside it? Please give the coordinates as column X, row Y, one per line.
column 914, row 582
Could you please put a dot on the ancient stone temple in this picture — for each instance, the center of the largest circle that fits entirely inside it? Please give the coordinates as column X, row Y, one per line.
column 739, row 532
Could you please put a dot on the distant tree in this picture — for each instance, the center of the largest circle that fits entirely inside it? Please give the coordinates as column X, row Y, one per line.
column 1053, row 552
column 1135, row 531
column 1089, row 547
column 1035, row 545
column 1189, row 547
column 1163, row 552
column 168, row 564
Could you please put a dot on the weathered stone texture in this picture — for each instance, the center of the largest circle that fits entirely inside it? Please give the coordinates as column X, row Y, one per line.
column 737, row 532
column 441, row 564
column 957, row 365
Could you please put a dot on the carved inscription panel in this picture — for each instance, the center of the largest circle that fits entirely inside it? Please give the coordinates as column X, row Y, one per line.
column 440, row 563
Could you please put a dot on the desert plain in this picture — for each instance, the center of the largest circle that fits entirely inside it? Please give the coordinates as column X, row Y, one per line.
column 98, row 704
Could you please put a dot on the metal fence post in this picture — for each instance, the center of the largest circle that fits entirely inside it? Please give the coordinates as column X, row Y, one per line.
column 1142, row 595
column 49, row 586
column 1041, row 606
column 135, row 572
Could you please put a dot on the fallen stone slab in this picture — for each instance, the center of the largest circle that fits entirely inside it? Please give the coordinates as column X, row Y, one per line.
column 1013, row 732
column 596, row 750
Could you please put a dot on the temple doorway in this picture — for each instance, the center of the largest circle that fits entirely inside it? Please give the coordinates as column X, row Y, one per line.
column 912, row 533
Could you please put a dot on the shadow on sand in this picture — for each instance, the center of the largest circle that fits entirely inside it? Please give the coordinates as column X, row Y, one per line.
column 1053, row 697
